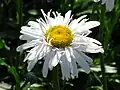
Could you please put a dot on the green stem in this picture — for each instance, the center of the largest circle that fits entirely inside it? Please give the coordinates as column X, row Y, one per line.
column 56, row 84
column 102, row 28
column 19, row 12
column 104, row 80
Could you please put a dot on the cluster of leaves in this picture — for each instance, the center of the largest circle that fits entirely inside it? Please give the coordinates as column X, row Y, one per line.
column 15, row 13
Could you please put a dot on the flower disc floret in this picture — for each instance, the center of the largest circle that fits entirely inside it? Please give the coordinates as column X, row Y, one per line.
column 59, row 36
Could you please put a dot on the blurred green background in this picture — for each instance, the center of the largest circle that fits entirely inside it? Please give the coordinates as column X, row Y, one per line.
column 13, row 73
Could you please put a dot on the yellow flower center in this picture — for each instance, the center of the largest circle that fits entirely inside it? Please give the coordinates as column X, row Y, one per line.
column 59, row 36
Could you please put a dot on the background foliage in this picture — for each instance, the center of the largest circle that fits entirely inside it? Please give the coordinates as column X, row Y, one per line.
column 15, row 13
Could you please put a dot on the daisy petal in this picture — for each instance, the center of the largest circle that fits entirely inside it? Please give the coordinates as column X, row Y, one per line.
column 31, row 64
column 34, row 24
column 74, row 69
column 26, row 37
column 51, row 22
column 55, row 60
column 28, row 31
column 109, row 5
column 27, row 45
column 83, row 25
column 65, row 68
column 52, row 54
column 76, row 21
column 68, row 55
column 104, row 1
column 45, row 16
column 59, row 20
column 91, row 24
column 32, row 56
column 86, row 58
column 62, row 70
column 46, row 65
column 94, row 48
column 81, row 62
column 33, row 52
column 67, row 17
column 92, row 40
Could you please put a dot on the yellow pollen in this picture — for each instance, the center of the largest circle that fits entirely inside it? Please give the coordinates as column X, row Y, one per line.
column 60, row 36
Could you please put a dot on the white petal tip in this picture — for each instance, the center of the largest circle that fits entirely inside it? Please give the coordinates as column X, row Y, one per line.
column 28, row 69
column 69, row 11
column 19, row 49
column 96, row 1
column 21, row 36
column 88, row 72
column 102, row 51
column 44, row 74
column 97, row 23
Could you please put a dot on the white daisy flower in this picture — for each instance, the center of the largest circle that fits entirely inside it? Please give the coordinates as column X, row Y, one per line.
column 60, row 40
column 108, row 3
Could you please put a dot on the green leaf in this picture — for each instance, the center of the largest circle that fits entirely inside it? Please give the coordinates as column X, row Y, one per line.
column 2, row 44
column 36, row 86
column 2, row 62
column 14, row 72
column 26, row 86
